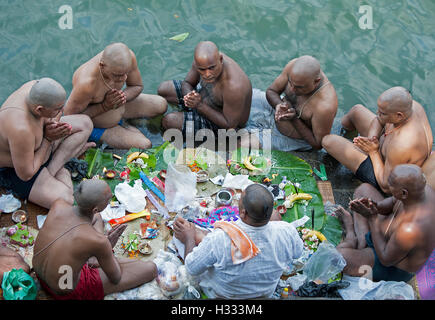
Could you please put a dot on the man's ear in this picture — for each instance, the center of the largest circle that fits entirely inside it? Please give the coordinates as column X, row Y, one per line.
column 404, row 194
column 38, row 110
column 95, row 210
column 221, row 57
column 317, row 81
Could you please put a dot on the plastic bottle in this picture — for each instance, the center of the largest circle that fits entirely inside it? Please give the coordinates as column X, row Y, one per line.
column 284, row 294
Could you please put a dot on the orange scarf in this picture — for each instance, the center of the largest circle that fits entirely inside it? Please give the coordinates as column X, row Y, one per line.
column 242, row 247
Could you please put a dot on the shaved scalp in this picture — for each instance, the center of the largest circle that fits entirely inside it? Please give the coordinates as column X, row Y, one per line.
column 47, row 93
column 307, row 67
column 91, row 193
column 117, row 55
column 397, row 99
column 409, row 177
column 205, row 50
column 258, row 202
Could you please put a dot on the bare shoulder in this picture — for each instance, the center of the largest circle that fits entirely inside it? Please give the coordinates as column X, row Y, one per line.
column 236, row 79
column 409, row 234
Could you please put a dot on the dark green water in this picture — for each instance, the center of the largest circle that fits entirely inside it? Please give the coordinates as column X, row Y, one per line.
column 261, row 35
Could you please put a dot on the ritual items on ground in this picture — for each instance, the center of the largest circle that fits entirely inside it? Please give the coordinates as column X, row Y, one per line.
column 20, row 216
column 20, row 235
column 130, row 217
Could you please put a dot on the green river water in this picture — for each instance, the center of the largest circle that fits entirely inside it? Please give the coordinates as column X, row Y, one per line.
column 261, row 35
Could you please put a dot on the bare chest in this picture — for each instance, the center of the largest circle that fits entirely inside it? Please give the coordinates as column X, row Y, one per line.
column 211, row 95
column 102, row 88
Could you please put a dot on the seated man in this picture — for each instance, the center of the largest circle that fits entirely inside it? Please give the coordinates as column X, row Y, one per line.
column 399, row 133
column 9, row 260
column 245, row 259
column 397, row 235
column 216, row 94
column 36, row 142
column 98, row 92
column 71, row 236
column 305, row 105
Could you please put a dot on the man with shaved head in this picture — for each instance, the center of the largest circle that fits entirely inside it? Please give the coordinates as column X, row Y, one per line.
column 305, row 105
column 36, row 141
column 216, row 94
column 73, row 258
column 108, row 89
column 398, row 231
column 223, row 258
column 399, row 133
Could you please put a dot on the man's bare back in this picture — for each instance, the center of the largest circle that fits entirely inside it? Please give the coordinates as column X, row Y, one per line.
column 73, row 249
column 13, row 114
column 71, row 236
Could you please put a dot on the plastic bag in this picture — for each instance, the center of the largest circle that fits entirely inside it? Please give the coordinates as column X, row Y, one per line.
column 324, row 264
column 18, row 285
column 8, row 203
column 170, row 280
column 132, row 197
column 324, row 290
column 180, row 187
column 364, row 289
column 296, row 281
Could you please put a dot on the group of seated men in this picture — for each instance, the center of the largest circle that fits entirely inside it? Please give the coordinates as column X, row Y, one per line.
column 388, row 228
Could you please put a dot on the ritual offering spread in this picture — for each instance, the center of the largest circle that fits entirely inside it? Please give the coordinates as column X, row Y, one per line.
column 205, row 191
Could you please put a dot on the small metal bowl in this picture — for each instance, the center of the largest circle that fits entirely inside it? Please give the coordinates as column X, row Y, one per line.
column 201, row 176
column 20, row 216
column 281, row 210
column 145, row 248
column 110, row 174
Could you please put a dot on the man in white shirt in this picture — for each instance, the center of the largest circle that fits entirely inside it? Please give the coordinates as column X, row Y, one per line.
column 227, row 272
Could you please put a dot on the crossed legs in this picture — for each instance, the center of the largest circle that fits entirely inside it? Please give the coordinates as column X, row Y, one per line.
column 54, row 181
column 144, row 106
column 354, row 247
column 358, row 118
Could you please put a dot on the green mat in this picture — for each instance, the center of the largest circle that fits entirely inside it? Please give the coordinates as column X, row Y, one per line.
column 281, row 163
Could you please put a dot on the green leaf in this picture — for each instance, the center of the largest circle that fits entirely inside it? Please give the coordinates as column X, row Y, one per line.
column 180, row 37
column 332, row 230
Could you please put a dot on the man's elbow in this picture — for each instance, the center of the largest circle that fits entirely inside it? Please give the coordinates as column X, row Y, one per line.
column 25, row 175
column 115, row 279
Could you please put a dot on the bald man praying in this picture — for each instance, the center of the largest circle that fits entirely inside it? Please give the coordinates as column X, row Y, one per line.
column 108, row 89
column 305, row 104
column 394, row 235
column 216, row 94
column 36, row 142
column 400, row 133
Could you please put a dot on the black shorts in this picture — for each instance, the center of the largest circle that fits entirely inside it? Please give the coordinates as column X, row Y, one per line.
column 10, row 180
column 381, row 272
column 193, row 121
column 366, row 173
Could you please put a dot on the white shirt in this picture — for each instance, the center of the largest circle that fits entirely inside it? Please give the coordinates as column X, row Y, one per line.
column 258, row 277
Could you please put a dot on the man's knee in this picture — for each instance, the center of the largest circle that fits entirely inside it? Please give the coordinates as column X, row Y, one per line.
column 161, row 105
column 150, row 271
column 165, row 89
column 363, row 191
column 84, row 123
column 329, row 141
column 171, row 120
